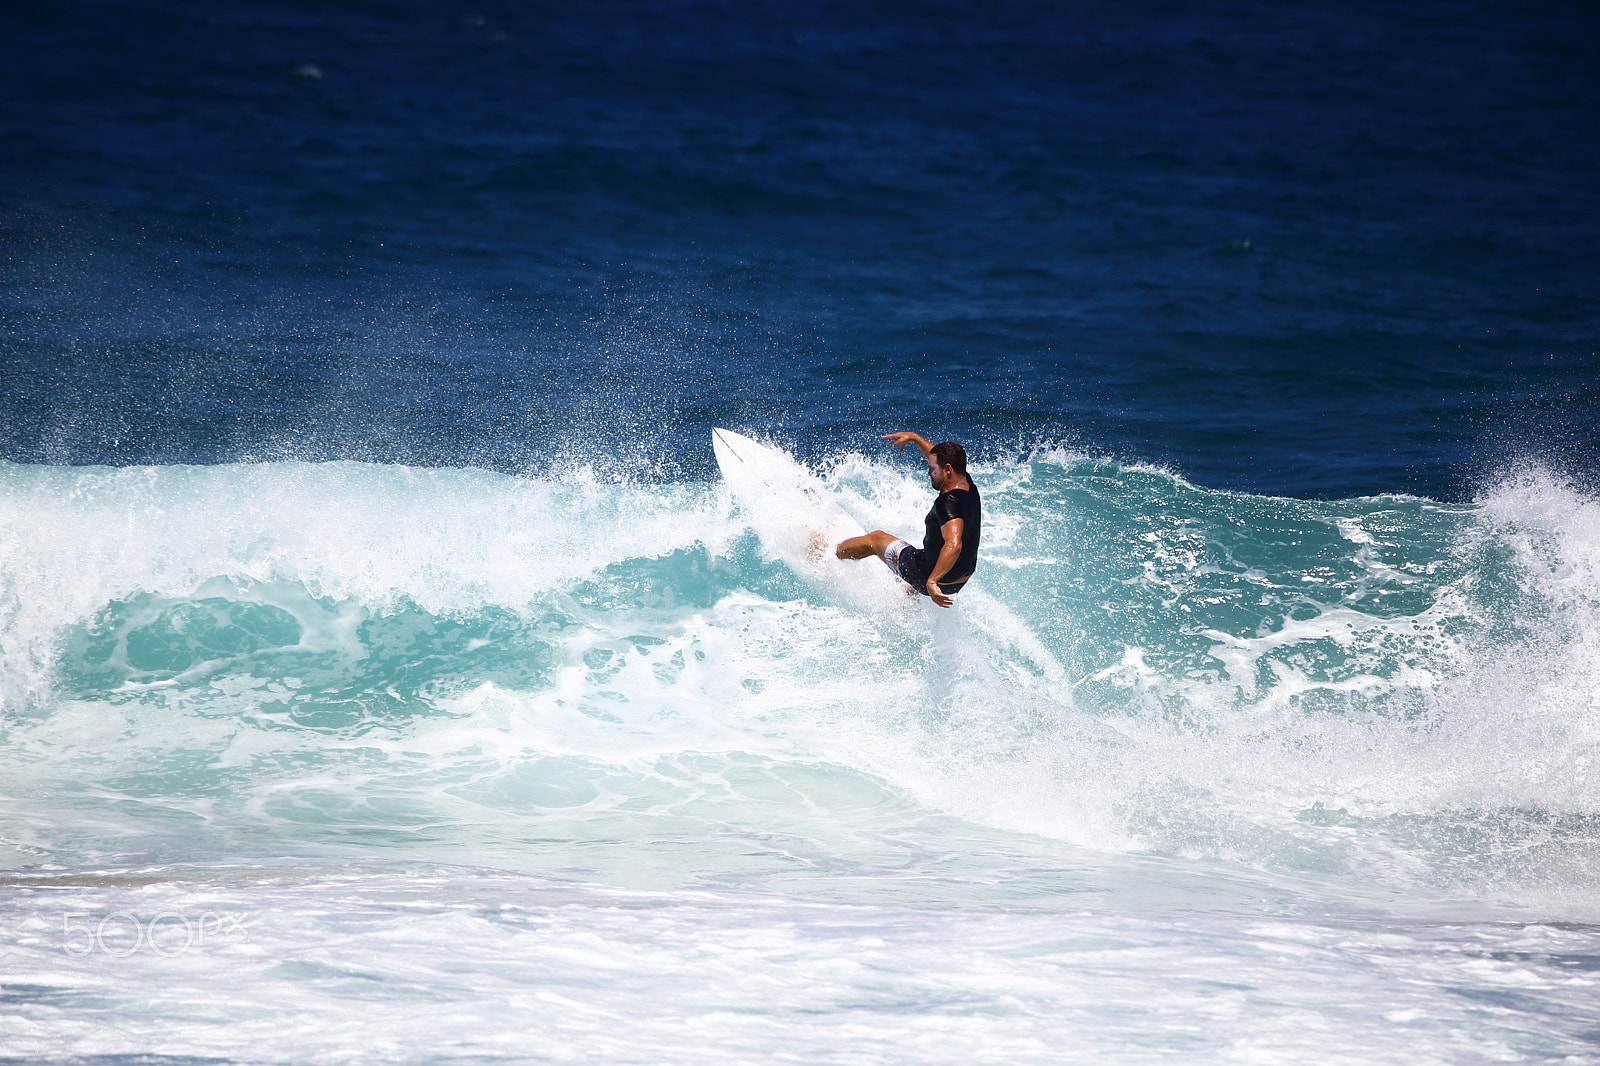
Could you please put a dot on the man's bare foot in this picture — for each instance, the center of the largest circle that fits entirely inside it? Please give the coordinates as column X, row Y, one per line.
column 816, row 546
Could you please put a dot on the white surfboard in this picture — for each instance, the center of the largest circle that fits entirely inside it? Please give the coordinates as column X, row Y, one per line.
column 788, row 506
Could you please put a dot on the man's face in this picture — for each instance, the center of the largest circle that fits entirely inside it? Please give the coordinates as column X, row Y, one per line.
column 939, row 476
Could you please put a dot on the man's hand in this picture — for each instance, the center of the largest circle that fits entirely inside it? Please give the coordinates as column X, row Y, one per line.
column 901, row 439
column 936, row 594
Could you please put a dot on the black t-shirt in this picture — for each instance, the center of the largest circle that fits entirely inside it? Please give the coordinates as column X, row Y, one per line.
column 965, row 505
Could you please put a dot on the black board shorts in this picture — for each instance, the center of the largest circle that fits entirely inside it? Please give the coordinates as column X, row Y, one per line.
column 910, row 563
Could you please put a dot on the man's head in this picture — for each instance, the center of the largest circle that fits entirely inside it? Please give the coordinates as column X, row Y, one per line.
column 947, row 465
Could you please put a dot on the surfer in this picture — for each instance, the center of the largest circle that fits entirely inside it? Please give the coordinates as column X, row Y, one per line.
column 949, row 552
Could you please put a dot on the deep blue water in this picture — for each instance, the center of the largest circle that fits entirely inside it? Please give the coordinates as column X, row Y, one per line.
column 1316, row 250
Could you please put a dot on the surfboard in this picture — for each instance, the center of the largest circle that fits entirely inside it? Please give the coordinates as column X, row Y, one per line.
column 790, row 509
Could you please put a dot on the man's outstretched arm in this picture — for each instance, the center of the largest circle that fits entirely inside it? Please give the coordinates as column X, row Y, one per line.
column 904, row 437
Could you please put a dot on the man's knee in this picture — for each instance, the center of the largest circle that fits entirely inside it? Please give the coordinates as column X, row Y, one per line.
column 879, row 541
column 874, row 543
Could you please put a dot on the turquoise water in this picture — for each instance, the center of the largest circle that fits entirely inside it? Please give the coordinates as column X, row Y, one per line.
column 432, row 717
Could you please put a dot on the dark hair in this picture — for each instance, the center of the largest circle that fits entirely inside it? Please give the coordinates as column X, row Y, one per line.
column 949, row 453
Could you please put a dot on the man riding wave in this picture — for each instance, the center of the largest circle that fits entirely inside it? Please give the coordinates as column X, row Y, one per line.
column 949, row 552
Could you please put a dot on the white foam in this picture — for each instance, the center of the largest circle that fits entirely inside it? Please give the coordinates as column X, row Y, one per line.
column 449, row 965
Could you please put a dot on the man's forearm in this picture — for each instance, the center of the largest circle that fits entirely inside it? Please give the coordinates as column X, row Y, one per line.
column 947, row 558
column 901, row 437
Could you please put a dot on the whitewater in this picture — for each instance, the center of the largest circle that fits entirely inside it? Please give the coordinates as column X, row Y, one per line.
column 321, row 761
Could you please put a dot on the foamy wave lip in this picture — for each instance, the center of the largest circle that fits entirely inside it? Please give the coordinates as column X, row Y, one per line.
column 443, row 539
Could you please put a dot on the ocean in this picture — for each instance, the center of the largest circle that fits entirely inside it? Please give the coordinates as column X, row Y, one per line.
column 387, row 676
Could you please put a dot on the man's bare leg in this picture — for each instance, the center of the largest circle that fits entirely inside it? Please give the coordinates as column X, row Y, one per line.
column 875, row 543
